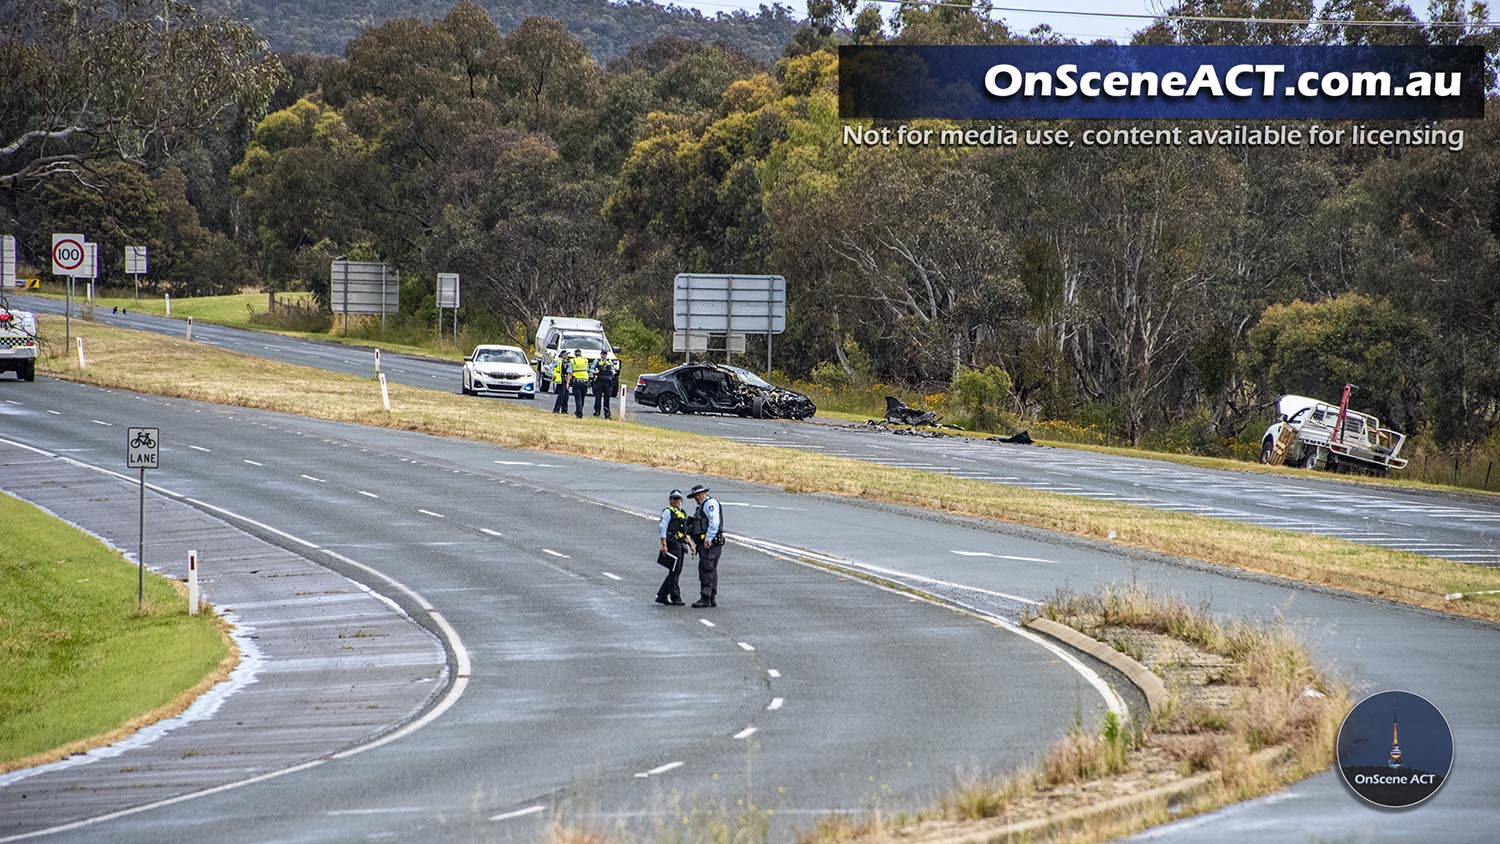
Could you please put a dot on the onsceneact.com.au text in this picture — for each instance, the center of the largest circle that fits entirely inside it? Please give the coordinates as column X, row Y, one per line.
column 1241, row 80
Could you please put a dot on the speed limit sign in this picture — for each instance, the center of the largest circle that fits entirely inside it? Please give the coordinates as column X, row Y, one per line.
column 68, row 254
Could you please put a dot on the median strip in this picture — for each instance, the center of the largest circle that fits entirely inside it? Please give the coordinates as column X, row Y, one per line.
column 167, row 366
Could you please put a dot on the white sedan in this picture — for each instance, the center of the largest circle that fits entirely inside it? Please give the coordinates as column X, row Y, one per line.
column 498, row 369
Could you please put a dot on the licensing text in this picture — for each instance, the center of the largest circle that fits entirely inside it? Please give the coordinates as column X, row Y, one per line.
column 1241, row 80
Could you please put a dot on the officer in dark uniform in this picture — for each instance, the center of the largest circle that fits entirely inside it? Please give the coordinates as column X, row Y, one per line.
column 559, row 385
column 707, row 533
column 674, row 540
column 605, row 372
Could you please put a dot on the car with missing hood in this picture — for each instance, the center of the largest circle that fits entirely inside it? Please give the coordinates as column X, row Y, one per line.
column 720, row 388
column 498, row 369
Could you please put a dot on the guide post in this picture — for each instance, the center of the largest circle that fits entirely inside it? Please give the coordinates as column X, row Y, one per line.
column 142, row 451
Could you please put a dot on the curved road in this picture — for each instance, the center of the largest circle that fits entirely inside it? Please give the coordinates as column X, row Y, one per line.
column 580, row 684
column 1462, row 528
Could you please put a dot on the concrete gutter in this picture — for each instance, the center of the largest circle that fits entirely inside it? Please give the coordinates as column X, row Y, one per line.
column 1139, row 675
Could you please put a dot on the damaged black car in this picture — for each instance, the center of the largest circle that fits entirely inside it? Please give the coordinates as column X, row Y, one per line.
column 719, row 388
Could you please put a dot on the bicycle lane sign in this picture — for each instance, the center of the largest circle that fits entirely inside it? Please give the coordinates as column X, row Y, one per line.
column 142, row 448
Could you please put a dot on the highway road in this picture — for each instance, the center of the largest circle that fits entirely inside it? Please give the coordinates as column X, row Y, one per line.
column 1462, row 528
column 579, row 684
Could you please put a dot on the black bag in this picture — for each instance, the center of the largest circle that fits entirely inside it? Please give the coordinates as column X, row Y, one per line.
column 665, row 560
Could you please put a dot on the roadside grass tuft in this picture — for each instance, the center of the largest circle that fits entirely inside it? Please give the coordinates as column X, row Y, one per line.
column 80, row 665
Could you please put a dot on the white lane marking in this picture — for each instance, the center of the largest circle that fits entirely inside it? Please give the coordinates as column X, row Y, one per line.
column 367, row 494
column 554, row 553
column 746, row 647
column 745, row 733
column 455, row 691
column 315, row 480
column 12, row 401
column 392, row 810
column 612, row 575
column 775, row 704
column 105, row 424
column 54, row 413
column 514, row 462
column 519, row 813
column 662, row 769
column 491, row 532
column 705, row 622
column 252, row 462
column 772, row 673
column 432, row 514
column 1002, row 556
column 200, row 448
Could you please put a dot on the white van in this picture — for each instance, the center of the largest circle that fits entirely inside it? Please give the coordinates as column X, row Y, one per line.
column 556, row 335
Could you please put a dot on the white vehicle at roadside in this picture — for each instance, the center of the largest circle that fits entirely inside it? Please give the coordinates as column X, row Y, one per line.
column 557, row 336
column 498, row 369
column 18, row 343
column 1314, row 434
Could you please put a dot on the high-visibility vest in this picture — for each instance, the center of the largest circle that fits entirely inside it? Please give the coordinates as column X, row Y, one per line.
column 580, row 368
column 557, row 369
column 677, row 524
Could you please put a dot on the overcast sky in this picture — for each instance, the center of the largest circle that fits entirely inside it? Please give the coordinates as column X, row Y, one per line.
column 1082, row 28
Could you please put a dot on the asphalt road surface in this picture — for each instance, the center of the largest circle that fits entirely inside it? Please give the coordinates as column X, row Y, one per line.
column 1462, row 528
column 580, row 685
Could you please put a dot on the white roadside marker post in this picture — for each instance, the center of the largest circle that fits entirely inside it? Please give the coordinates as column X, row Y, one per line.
column 624, row 396
column 192, row 583
column 377, row 361
column 385, row 394
column 169, row 304
column 190, row 329
column 82, row 364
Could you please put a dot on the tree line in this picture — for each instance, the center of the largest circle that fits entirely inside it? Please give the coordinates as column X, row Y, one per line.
column 1161, row 294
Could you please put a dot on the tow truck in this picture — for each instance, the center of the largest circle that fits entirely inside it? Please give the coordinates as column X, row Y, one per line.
column 18, row 343
column 1315, row 434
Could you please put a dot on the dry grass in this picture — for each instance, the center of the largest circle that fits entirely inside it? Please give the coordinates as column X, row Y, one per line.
column 1241, row 723
column 166, row 366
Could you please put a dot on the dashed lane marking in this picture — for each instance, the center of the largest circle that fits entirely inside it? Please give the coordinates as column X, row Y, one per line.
column 314, row 480
column 775, row 704
column 705, row 622
column 491, row 532
column 105, row 424
column 611, row 575
column 519, row 813
column 200, row 448
column 54, row 412
column 367, row 494
column 432, row 514
column 772, row 673
column 554, row 553
column 746, row 647
column 252, row 462
column 745, row 733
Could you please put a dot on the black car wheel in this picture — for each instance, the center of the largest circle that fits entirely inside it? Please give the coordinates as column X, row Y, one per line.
column 669, row 403
column 1265, row 451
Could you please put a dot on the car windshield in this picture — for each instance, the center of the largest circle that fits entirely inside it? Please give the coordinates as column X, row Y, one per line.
column 749, row 377
column 499, row 356
column 584, row 343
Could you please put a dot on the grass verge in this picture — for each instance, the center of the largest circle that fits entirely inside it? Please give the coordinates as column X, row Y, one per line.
column 80, row 665
column 166, row 366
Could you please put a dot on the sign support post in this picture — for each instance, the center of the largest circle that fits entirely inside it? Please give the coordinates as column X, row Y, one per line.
column 142, row 451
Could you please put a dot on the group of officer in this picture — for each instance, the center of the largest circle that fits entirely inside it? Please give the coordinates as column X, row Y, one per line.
column 573, row 373
column 701, row 533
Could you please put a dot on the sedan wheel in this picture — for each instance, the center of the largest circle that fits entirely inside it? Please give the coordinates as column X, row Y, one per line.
column 669, row 403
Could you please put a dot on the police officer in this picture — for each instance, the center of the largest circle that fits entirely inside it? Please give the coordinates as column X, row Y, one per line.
column 559, row 386
column 578, row 379
column 605, row 373
column 708, row 534
column 674, row 540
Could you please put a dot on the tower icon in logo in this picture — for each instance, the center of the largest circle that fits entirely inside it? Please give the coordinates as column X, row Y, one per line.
column 1395, row 759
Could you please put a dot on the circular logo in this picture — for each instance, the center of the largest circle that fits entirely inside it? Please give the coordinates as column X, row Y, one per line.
column 1395, row 749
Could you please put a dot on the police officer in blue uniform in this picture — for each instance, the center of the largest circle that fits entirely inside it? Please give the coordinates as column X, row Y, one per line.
column 708, row 534
column 673, row 529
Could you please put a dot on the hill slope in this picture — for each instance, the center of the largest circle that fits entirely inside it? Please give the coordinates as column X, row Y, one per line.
column 607, row 29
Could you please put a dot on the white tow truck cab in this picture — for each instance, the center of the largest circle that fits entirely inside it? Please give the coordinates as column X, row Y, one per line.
column 557, row 335
column 18, row 343
column 1311, row 435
